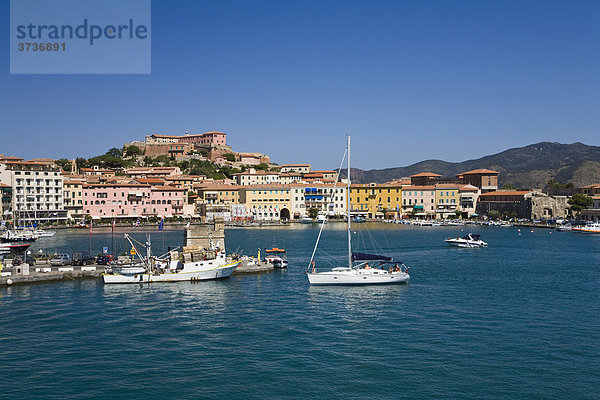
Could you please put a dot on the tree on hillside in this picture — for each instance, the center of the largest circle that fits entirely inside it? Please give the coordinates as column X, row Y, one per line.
column 580, row 202
column 261, row 167
column 64, row 164
column 133, row 151
column 81, row 162
column 509, row 186
column 114, row 152
column 552, row 184
column 229, row 157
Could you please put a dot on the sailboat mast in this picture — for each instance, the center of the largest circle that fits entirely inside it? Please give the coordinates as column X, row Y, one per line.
column 348, row 209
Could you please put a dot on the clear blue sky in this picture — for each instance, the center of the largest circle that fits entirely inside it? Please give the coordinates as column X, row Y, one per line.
column 411, row 80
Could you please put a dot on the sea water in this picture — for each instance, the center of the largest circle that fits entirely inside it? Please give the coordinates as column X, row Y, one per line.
column 518, row 319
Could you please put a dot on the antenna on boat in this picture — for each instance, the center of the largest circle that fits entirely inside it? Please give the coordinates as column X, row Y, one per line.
column 348, row 208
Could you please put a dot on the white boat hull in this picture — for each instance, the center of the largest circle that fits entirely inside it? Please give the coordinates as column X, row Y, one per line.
column 357, row 277
column 199, row 271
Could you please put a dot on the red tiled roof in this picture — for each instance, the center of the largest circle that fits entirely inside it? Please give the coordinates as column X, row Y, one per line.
column 424, row 174
column 480, row 171
column 506, row 193
column 418, row 188
column 166, row 189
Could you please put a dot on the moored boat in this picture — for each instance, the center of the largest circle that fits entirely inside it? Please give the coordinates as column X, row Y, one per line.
column 388, row 271
column 589, row 228
column 470, row 240
column 564, row 228
column 43, row 233
column 210, row 264
column 18, row 235
column 276, row 257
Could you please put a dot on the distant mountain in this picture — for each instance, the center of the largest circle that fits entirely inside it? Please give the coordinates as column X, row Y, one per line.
column 524, row 167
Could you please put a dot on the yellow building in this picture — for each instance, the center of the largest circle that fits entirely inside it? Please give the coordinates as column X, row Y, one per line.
column 73, row 198
column 183, row 181
column 376, row 200
column 218, row 194
column 447, row 200
column 267, row 202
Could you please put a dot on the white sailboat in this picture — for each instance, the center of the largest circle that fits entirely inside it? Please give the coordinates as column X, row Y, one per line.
column 387, row 272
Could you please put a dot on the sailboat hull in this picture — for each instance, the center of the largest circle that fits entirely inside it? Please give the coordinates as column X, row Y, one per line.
column 361, row 277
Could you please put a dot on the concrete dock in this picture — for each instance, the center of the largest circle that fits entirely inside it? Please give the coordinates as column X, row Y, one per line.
column 251, row 268
column 46, row 273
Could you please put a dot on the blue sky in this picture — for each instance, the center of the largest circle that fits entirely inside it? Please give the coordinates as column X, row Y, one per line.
column 410, row 80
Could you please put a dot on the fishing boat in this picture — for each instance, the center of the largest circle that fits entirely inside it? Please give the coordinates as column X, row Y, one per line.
column 211, row 264
column 13, row 248
column 589, row 228
column 387, row 271
column 471, row 240
column 276, row 257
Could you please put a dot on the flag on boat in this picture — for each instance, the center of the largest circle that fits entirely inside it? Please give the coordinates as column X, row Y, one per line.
column 113, row 225
column 369, row 257
column 161, row 224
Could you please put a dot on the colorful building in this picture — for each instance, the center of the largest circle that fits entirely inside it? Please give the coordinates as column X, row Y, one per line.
column 484, row 179
column 73, row 198
column 302, row 168
column 131, row 200
column 267, row 202
column 376, row 201
column 424, row 179
column 419, row 201
column 256, row 178
column 447, row 200
column 328, row 199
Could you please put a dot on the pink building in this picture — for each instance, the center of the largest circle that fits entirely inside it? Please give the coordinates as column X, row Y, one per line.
column 205, row 139
column 131, row 200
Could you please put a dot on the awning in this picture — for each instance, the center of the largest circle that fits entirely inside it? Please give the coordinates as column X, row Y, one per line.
column 418, row 207
column 369, row 257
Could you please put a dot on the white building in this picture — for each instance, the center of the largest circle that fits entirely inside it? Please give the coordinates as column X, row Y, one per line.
column 324, row 197
column 256, row 178
column 302, row 168
column 37, row 191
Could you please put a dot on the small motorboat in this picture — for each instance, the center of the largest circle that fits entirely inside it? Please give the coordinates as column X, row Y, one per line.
column 306, row 220
column 276, row 257
column 564, row 228
column 43, row 233
column 471, row 240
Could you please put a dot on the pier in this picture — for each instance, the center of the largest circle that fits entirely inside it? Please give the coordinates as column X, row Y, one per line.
column 46, row 273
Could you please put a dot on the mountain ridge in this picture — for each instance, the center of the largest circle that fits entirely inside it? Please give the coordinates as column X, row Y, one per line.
column 530, row 166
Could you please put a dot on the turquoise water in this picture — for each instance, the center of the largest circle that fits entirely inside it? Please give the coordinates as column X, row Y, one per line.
column 519, row 319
